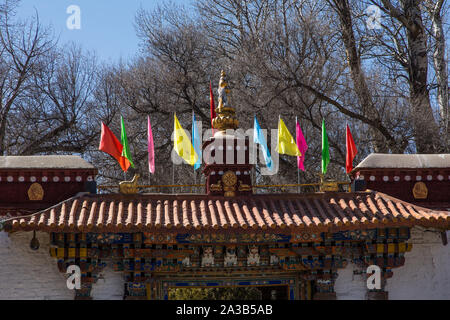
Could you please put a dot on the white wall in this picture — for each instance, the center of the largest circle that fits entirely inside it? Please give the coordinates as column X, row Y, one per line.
column 426, row 273
column 350, row 286
column 28, row 274
column 109, row 286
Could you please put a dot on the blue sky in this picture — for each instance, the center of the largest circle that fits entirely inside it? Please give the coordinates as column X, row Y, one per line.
column 106, row 25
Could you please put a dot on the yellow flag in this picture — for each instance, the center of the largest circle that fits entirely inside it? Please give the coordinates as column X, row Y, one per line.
column 286, row 143
column 182, row 144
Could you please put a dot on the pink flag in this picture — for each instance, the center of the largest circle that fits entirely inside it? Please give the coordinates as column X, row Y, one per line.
column 151, row 150
column 302, row 146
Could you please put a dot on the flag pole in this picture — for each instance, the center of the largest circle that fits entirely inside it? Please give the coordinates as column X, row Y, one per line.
column 298, row 169
column 173, row 164
column 124, row 173
column 192, row 138
column 148, row 133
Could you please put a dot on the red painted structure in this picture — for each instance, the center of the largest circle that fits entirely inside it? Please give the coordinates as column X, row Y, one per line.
column 397, row 175
column 60, row 177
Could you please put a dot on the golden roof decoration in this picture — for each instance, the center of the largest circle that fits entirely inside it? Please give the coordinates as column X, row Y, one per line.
column 226, row 114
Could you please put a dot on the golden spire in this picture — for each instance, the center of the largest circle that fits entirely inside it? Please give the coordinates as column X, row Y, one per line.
column 226, row 115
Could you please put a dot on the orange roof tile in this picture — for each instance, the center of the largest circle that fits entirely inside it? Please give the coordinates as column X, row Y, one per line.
column 331, row 211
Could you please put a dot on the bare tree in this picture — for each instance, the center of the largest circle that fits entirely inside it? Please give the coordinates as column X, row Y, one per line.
column 298, row 58
column 409, row 14
column 435, row 10
column 58, row 107
column 21, row 47
column 381, row 143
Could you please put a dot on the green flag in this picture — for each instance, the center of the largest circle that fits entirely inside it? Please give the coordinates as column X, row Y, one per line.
column 325, row 149
column 123, row 139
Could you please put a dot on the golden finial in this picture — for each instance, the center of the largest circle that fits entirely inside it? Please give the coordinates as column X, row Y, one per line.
column 129, row 187
column 226, row 115
column 223, row 91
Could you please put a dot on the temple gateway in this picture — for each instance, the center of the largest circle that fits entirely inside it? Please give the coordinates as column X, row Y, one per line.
column 296, row 246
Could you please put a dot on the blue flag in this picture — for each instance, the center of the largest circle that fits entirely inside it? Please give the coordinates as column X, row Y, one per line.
column 196, row 142
column 258, row 137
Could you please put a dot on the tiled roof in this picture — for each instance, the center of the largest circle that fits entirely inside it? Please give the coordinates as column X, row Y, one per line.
column 152, row 212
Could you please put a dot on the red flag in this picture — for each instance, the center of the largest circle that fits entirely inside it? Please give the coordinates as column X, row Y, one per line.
column 212, row 106
column 111, row 145
column 351, row 151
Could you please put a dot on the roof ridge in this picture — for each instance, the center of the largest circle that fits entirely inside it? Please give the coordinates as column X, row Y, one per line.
column 78, row 195
column 409, row 203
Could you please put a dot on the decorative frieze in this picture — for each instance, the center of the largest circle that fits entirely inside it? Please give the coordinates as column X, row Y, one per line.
column 141, row 256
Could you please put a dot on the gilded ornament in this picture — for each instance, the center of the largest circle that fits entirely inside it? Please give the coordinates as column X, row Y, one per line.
column 420, row 191
column 229, row 180
column 35, row 192
column 216, row 187
column 330, row 186
column 244, row 187
column 129, row 187
column 226, row 115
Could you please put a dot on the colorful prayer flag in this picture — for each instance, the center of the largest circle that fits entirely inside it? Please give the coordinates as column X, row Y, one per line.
column 150, row 147
column 302, row 146
column 325, row 149
column 196, row 142
column 286, row 143
column 182, row 144
column 351, row 150
column 111, row 145
column 123, row 138
column 258, row 138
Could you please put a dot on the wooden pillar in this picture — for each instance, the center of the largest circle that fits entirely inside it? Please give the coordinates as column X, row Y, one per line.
column 377, row 295
column 301, row 289
column 152, row 290
column 381, row 294
column 308, row 290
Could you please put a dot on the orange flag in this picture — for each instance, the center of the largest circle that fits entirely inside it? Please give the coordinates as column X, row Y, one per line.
column 111, row 145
